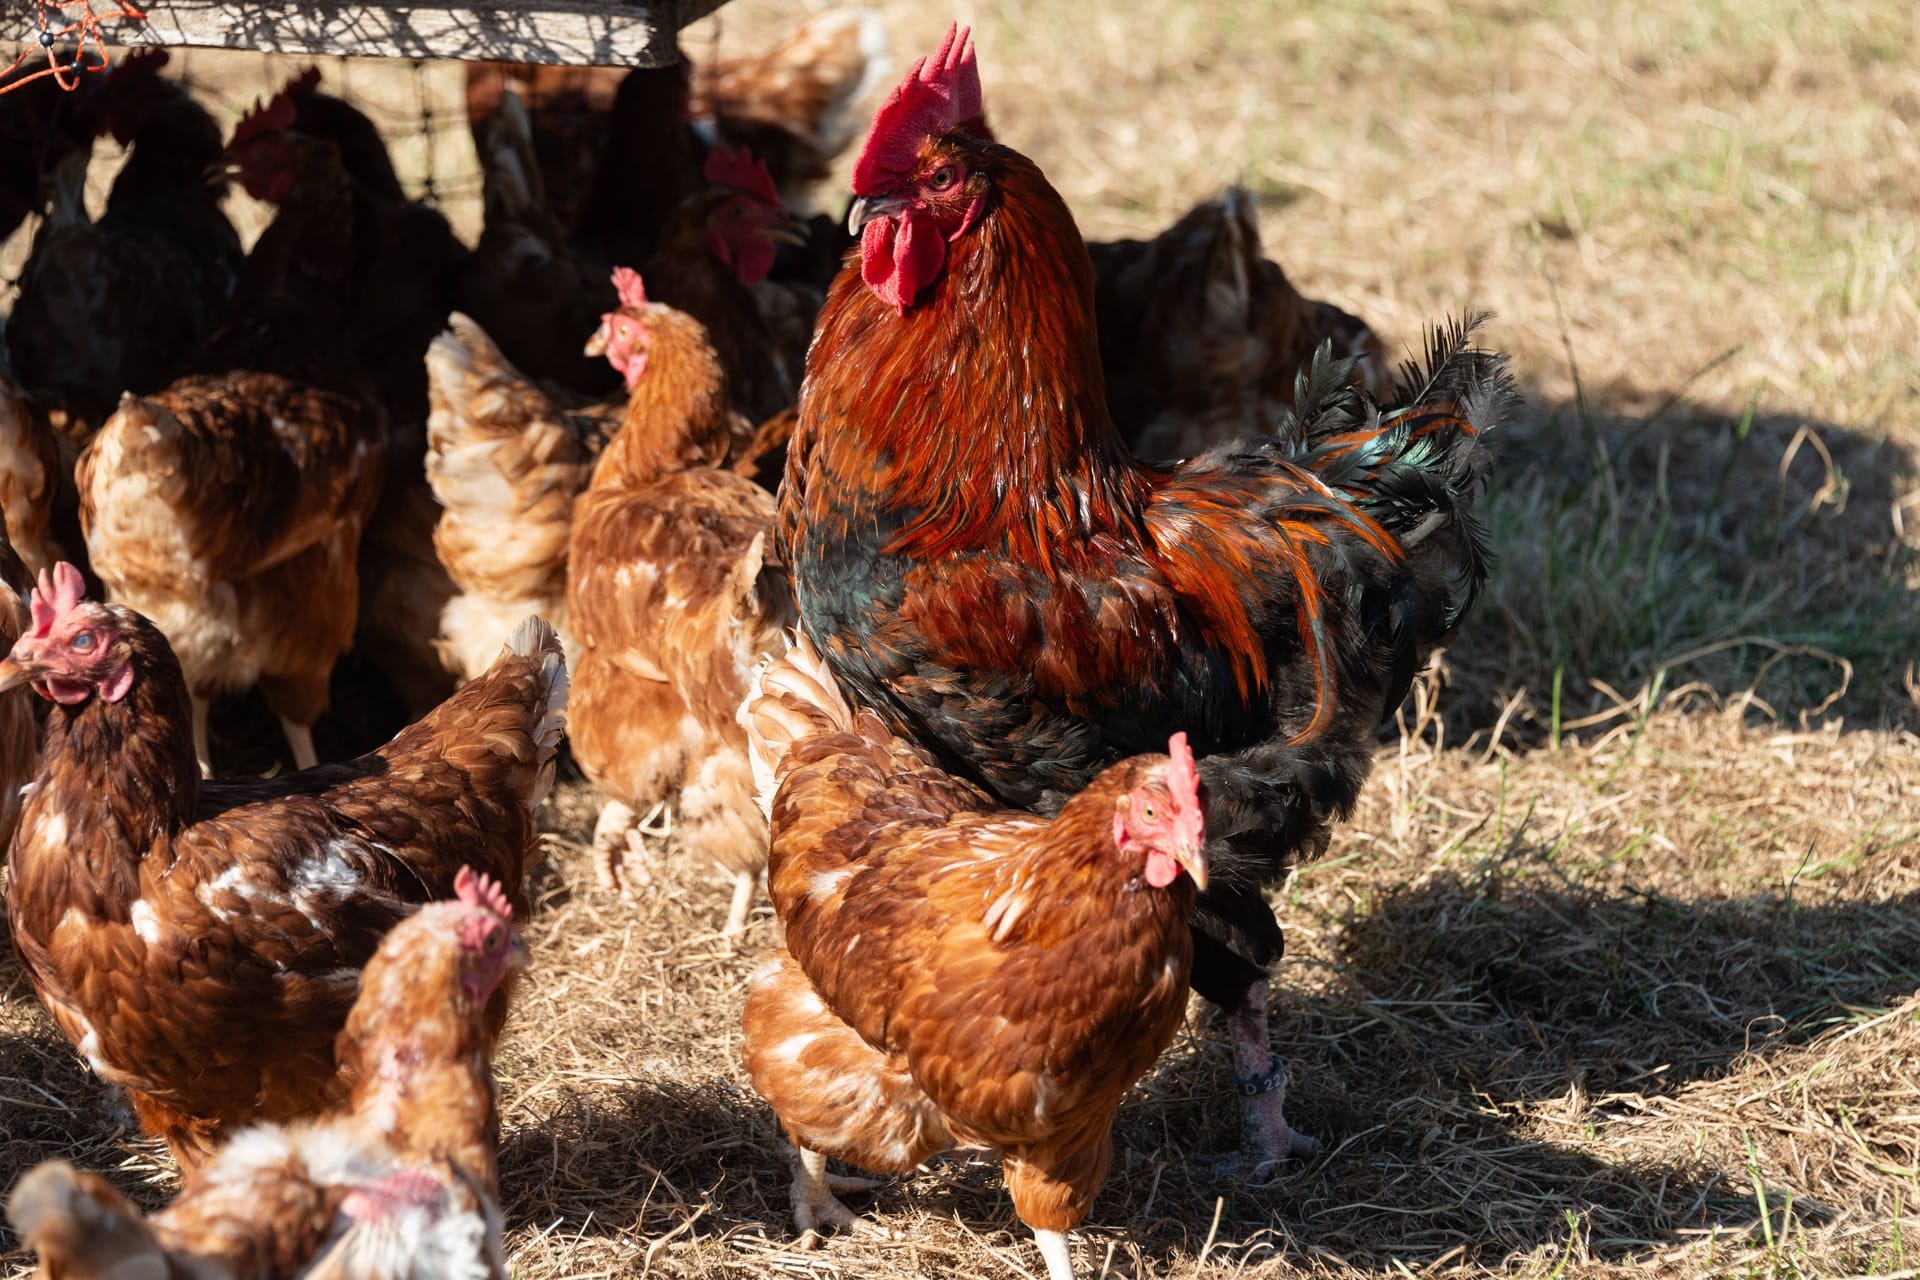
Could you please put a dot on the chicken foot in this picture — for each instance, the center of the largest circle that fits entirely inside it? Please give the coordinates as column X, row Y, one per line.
column 621, row 861
column 1261, row 1077
column 815, row 1203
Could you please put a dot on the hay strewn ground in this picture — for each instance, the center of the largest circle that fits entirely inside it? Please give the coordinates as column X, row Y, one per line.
column 1614, row 974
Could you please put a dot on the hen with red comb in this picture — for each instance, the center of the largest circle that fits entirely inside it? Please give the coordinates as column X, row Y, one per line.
column 400, row 1180
column 242, row 910
column 955, row 972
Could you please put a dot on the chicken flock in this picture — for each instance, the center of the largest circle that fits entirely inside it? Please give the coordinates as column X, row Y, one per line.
column 1022, row 607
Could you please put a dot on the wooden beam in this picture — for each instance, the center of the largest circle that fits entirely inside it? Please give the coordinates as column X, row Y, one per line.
column 560, row 32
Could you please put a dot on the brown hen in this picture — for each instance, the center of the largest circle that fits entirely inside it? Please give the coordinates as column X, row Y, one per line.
column 956, row 973
column 402, row 1184
column 201, row 942
column 673, row 602
column 229, row 506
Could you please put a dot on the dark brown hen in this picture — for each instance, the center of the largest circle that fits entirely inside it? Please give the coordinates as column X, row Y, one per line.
column 201, row 942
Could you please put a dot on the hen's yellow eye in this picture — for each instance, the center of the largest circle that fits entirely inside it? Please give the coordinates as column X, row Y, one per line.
column 1148, row 812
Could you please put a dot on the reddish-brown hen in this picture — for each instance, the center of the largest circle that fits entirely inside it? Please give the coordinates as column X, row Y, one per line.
column 672, row 604
column 228, row 507
column 956, row 973
column 400, row 1185
column 201, row 941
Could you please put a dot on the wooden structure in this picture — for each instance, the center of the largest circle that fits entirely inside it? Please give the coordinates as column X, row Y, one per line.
column 560, row 32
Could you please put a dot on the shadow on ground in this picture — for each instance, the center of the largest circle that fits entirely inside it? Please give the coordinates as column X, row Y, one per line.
column 1720, row 554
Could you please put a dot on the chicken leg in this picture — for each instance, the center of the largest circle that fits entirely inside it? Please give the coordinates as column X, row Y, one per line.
column 1261, row 1077
column 202, row 749
column 744, row 883
column 815, row 1203
column 300, row 738
column 1053, row 1247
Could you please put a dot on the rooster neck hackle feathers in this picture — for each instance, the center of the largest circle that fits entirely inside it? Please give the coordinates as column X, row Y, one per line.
column 984, row 445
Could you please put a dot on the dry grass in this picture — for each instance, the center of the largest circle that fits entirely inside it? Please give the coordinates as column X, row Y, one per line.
column 1614, row 974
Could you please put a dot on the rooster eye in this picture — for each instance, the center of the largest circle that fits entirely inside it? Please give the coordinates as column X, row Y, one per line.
column 83, row 642
column 942, row 178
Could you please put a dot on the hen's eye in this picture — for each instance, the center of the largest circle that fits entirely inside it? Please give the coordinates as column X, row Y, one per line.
column 942, row 178
column 1149, row 812
column 83, row 642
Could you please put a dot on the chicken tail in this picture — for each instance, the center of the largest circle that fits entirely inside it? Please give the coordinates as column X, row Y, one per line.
column 505, row 465
column 791, row 699
column 537, row 640
column 510, row 172
column 1410, row 468
column 82, row 1228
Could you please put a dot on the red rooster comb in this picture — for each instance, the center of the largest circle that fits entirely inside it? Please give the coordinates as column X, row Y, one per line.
column 741, row 172
column 939, row 93
column 476, row 890
column 275, row 113
column 1183, row 786
column 627, row 283
column 57, row 593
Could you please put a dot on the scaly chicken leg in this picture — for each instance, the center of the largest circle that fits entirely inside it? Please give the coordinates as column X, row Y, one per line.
column 816, row 1202
column 1261, row 1076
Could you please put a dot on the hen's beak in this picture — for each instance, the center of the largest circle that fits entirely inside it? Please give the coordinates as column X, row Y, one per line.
column 1195, row 862
column 12, row 674
column 597, row 344
column 866, row 208
column 790, row 231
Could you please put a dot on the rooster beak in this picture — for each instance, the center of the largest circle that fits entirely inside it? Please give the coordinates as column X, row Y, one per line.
column 1195, row 862
column 12, row 674
column 866, row 208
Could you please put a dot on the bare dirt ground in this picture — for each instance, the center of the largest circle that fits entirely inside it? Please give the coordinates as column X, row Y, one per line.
column 1614, row 974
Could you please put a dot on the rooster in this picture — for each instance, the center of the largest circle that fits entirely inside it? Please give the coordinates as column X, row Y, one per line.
column 672, row 603
column 956, row 974
column 402, row 1184
column 984, row 563
column 201, row 942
